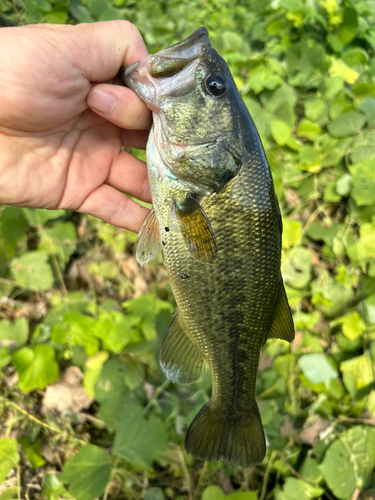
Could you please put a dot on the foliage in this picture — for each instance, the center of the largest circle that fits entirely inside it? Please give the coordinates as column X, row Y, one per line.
column 73, row 295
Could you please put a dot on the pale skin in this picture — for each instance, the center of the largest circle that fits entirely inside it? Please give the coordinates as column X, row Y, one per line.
column 64, row 117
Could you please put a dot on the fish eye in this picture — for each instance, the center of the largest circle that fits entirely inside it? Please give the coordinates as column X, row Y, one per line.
column 216, row 85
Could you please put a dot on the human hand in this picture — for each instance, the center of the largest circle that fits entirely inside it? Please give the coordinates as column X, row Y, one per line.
column 56, row 152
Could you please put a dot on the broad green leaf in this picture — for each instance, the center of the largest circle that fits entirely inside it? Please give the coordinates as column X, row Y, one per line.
column 363, row 182
column 296, row 267
column 60, row 240
column 349, row 462
column 291, row 232
column 32, row 271
column 352, row 325
column 9, row 456
column 347, row 124
column 296, row 489
column 117, row 330
column 39, row 216
column 14, row 332
column 80, row 330
column 339, row 69
column 146, row 308
column 243, row 495
column 36, row 367
column 33, row 451
column 361, row 369
column 308, row 129
column 5, row 357
column 368, row 108
column 139, row 440
column 154, row 494
column 213, row 493
column 349, row 27
column 309, row 159
column 93, row 367
column 363, row 147
column 111, row 392
column 314, row 108
column 317, row 368
column 87, row 473
column 310, row 470
column 13, row 224
column 53, row 489
column 281, row 131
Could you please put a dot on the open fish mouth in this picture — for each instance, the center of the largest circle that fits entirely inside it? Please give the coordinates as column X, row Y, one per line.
column 151, row 79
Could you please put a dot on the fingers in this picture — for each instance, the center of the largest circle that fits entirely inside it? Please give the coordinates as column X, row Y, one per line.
column 100, row 49
column 113, row 207
column 129, row 174
column 120, row 106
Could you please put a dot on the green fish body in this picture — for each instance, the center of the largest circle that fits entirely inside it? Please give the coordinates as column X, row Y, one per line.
column 216, row 219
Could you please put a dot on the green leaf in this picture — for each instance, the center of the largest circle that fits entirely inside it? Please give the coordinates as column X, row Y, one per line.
column 9, row 457
column 13, row 224
column 80, row 329
column 361, row 370
column 317, row 368
column 32, row 271
column 243, row 495
column 111, row 392
column 53, row 489
column 309, row 129
column 59, row 240
column 296, row 267
column 353, row 325
column 39, row 216
column 14, row 333
column 291, row 232
column 280, row 131
column 368, row 108
column 296, row 489
column 33, row 451
column 363, row 147
column 349, row 27
column 87, row 473
column 213, row 493
column 314, row 108
column 93, row 367
column 36, row 367
column 139, row 440
column 363, row 182
column 117, row 330
column 339, row 69
column 349, row 462
column 147, row 308
column 347, row 124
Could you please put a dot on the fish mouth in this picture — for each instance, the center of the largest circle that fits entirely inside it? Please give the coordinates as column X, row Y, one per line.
column 150, row 78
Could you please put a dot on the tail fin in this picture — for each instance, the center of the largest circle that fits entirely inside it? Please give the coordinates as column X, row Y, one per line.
column 237, row 439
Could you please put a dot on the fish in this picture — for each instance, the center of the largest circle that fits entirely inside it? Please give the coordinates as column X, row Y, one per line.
column 216, row 219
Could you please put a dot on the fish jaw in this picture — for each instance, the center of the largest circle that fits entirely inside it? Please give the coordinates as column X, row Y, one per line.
column 150, row 77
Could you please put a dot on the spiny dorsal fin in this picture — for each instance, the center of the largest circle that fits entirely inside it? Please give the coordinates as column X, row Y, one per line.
column 282, row 326
column 148, row 242
column 180, row 359
column 196, row 230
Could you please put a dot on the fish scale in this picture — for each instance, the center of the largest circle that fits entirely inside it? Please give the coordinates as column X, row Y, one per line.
column 219, row 229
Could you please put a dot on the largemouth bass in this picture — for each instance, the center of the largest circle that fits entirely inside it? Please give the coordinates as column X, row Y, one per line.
column 216, row 219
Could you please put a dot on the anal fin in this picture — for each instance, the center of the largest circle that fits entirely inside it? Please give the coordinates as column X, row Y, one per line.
column 149, row 240
column 196, row 230
column 180, row 359
column 282, row 326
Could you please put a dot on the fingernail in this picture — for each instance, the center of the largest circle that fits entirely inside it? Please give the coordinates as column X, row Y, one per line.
column 102, row 101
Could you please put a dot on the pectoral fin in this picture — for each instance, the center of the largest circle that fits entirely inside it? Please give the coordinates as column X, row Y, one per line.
column 180, row 359
column 196, row 230
column 149, row 240
column 282, row 326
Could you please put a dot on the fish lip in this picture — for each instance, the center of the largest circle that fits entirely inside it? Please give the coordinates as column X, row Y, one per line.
column 146, row 77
